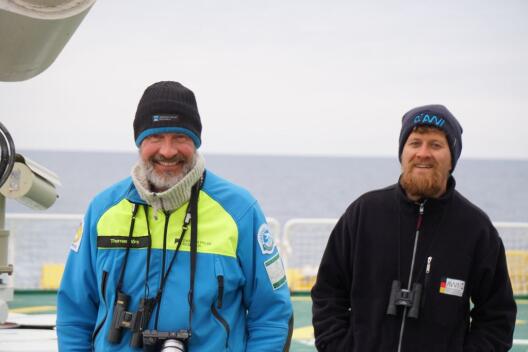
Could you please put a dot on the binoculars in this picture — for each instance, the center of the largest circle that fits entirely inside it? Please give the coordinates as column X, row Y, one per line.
column 405, row 298
column 123, row 319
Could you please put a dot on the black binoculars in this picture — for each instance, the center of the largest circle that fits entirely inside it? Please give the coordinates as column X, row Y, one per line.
column 405, row 298
column 136, row 322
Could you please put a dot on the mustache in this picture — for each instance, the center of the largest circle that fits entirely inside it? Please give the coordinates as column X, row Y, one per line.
column 431, row 162
column 174, row 159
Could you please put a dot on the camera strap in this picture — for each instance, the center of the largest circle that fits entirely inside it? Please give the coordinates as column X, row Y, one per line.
column 127, row 250
column 149, row 249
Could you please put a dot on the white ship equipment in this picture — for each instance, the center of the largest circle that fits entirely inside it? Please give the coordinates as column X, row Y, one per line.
column 34, row 32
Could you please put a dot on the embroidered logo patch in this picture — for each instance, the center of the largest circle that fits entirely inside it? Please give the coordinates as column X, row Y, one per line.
column 77, row 239
column 452, row 287
column 160, row 118
column 429, row 119
column 275, row 271
column 265, row 239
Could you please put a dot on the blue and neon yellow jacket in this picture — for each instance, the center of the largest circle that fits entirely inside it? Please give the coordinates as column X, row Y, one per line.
column 241, row 298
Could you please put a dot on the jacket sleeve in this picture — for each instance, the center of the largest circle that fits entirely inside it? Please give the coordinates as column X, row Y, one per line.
column 331, row 292
column 77, row 298
column 494, row 311
column 269, row 321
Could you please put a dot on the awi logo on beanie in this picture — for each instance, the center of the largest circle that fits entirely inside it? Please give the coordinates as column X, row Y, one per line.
column 426, row 119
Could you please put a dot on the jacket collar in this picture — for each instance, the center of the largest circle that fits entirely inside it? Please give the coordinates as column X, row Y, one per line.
column 133, row 195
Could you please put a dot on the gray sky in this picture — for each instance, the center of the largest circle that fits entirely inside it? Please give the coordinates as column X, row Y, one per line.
column 285, row 77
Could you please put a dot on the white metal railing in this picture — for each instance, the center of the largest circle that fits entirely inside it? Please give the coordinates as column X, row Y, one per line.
column 45, row 238
column 309, row 245
column 40, row 239
column 37, row 240
column 304, row 241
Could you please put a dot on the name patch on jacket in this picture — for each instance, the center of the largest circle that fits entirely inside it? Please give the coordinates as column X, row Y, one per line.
column 452, row 287
column 122, row 242
column 275, row 271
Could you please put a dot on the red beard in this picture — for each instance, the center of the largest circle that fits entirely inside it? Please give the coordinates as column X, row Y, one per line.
column 426, row 185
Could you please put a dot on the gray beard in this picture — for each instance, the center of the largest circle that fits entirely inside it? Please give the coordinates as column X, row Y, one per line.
column 161, row 183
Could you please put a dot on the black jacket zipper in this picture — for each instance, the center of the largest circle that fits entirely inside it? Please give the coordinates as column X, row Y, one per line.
column 103, row 294
column 426, row 279
column 215, row 312
column 416, row 237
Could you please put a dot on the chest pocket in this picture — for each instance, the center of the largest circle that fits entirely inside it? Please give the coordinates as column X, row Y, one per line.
column 218, row 304
column 446, row 297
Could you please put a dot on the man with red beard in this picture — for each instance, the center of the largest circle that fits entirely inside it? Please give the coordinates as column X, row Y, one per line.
column 403, row 263
column 173, row 257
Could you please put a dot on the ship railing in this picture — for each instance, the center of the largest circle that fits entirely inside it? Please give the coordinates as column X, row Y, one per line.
column 40, row 244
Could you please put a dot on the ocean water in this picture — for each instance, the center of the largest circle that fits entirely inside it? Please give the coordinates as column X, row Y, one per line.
column 293, row 186
column 286, row 187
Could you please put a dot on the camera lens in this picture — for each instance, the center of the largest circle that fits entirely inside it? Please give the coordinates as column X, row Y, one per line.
column 172, row 345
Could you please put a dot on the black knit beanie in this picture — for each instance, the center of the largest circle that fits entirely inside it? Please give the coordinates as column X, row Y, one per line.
column 433, row 116
column 167, row 107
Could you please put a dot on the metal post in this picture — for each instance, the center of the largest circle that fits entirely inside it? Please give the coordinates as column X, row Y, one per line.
column 4, row 241
column 6, row 292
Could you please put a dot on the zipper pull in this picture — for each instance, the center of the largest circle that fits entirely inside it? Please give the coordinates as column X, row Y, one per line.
column 428, row 267
column 220, row 279
column 420, row 216
column 426, row 280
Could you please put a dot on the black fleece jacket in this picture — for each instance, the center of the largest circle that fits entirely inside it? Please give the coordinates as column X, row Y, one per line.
column 372, row 245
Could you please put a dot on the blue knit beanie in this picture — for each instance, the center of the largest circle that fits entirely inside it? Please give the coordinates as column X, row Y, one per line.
column 433, row 116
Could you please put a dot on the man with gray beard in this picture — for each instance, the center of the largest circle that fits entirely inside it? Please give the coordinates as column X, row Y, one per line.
column 173, row 257
column 403, row 262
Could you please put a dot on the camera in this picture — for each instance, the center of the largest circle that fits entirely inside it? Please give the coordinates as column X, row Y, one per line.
column 140, row 321
column 406, row 298
column 136, row 322
column 173, row 341
column 28, row 183
column 31, row 184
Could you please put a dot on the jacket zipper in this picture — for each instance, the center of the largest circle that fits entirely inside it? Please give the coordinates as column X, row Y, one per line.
column 426, row 280
column 409, row 284
column 103, row 293
column 220, row 280
column 220, row 290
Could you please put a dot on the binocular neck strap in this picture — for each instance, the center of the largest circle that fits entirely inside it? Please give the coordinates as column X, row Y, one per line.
column 416, row 236
column 194, row 246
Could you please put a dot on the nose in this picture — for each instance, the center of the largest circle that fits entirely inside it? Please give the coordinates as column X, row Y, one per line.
column 167, row 149
column 423, row 151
